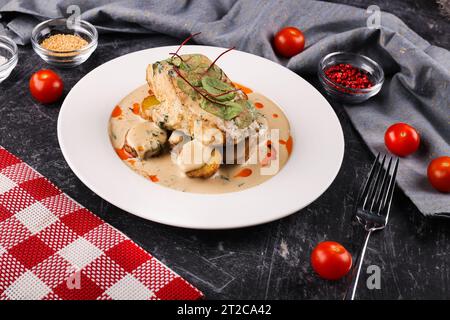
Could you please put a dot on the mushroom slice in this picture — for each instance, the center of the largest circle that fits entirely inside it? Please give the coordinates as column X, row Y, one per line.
column 145, row 140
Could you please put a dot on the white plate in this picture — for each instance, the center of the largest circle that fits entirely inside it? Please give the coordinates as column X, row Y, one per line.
column 314, row 163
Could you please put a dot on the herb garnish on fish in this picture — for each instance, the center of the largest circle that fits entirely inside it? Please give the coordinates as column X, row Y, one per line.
column 205, row 83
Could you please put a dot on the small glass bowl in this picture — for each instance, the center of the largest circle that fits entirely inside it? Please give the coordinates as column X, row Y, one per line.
column 65, row 59
column 346, row 94
column 8, row 50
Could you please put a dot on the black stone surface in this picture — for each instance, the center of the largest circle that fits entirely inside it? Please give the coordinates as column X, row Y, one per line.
column 270, row 261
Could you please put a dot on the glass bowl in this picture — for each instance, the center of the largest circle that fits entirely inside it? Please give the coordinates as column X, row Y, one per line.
column 8, row 50
column 64, row 59
column 346, row 94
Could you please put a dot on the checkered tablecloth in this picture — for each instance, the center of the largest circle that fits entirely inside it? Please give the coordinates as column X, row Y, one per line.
column 53, row 248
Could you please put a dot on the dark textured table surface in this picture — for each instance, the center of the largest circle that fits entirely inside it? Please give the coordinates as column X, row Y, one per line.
column 270, row 261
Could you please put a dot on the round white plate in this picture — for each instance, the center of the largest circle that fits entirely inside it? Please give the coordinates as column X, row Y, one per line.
column 314, row 163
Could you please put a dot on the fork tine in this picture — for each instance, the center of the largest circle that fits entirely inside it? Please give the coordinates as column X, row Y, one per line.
column 373, row 179
column 377, row 186
column 383, row 187
column 368, row 180
column 387, row 199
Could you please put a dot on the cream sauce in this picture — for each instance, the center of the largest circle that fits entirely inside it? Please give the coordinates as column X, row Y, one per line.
column 230, row 177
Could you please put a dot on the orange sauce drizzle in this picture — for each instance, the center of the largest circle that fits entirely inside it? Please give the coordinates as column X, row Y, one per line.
column 259, row 105
column 288, row 143
column 153, row 178
column 123, row 154
column 117, row 112
column 275, row 115
column 243, row 88
column 244, row 173
column 136, row 108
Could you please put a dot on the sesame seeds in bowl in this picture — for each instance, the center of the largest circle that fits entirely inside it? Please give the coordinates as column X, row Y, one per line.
column 62, row 44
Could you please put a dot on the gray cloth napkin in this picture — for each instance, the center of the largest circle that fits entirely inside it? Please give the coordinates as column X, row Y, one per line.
column 417, row 87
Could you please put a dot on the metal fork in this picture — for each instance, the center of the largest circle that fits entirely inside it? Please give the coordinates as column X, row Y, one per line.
column 373, row 206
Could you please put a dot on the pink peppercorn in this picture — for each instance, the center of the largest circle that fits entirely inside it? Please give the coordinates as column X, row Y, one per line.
column 348, row 76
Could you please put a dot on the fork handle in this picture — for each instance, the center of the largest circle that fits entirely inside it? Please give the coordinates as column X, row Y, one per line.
column 351, row 290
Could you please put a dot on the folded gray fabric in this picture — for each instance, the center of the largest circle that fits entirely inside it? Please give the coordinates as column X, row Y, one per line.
column 416, row 91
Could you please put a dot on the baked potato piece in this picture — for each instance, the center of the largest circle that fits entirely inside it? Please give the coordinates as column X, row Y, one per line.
column 209, row 169
column 145, row 140
column 197, row 160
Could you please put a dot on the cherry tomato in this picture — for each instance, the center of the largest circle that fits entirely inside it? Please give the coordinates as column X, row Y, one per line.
column 439, row 174
column 289, row 41
column 401, row 139
column 46, row 86
column 331, row 260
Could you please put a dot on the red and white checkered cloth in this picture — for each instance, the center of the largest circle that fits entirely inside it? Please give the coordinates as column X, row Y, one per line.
column 53, row 248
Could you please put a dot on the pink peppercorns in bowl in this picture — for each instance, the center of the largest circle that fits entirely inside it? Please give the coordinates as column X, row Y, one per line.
column 350, row 77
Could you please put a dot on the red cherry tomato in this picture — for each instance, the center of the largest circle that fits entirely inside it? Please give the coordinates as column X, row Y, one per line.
column 401, row 139
column 289, row 41
column 439, row 174
column 331, row 260
column 46, row 86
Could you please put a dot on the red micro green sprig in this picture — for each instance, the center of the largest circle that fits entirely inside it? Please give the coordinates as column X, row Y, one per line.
column 182, row 44
column 224, row 93
column 174, row 54
column 207, row 96
column 220, row 55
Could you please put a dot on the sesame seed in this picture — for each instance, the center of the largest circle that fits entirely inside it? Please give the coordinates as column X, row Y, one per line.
column 64, row 43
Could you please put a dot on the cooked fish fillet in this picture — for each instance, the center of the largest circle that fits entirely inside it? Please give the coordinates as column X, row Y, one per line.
column 200, row 101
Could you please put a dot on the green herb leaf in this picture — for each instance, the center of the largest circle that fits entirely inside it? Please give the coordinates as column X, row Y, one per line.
column 187, row 89
column 212, row 108
column 247, row 116
column 232, row 109
column 217, row 88
column 194, row 78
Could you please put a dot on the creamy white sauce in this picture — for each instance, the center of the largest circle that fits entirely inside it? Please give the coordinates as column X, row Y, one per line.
column 164, row 171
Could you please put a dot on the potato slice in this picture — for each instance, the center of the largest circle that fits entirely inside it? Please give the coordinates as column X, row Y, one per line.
column 209, row 169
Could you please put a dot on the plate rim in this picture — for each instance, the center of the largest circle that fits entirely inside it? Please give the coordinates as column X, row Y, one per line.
column 266, row 219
